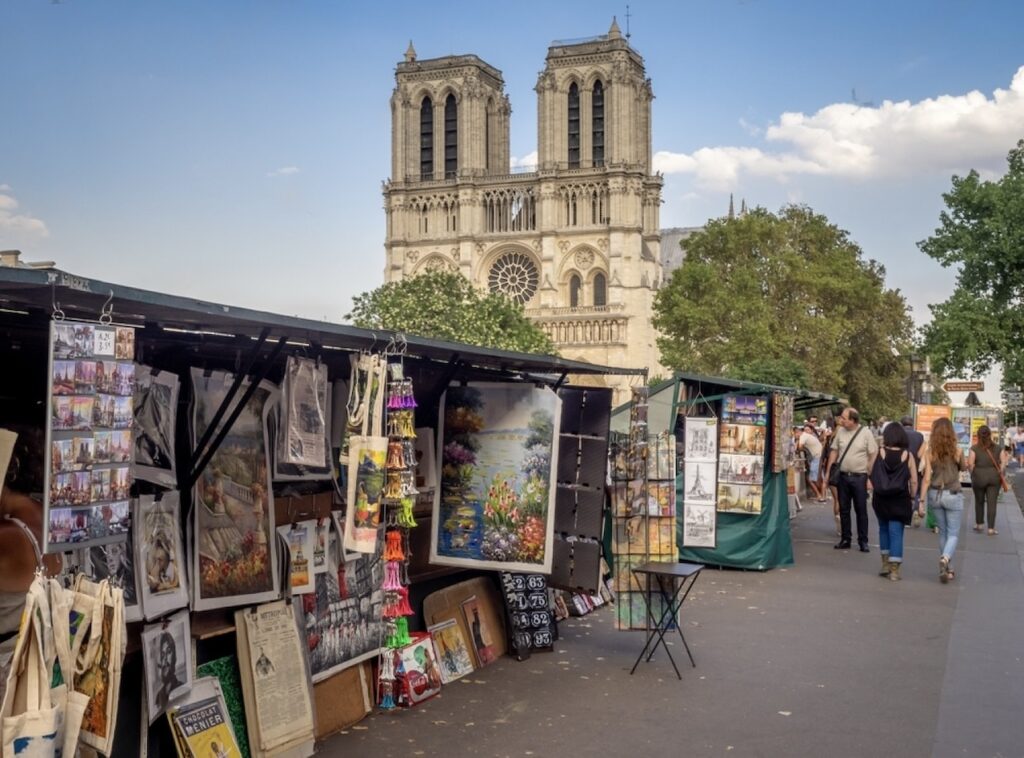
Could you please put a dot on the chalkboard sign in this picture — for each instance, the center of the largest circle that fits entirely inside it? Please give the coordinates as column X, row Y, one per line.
column 531, row 619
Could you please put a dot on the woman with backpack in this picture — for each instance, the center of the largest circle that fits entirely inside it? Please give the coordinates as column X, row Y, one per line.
column 942, row 466
column 894, row 485
column 986, row 479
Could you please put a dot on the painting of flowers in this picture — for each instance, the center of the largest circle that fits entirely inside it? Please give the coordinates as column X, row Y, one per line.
column 494, row 507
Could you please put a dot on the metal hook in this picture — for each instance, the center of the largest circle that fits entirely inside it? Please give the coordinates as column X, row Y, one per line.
column 57, row 314
column 107, row 311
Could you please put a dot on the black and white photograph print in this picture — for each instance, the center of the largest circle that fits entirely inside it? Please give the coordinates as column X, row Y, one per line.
column 167, row 657
column 699, row 525
column 115, row 561
column 701, row 438
column 155, row 408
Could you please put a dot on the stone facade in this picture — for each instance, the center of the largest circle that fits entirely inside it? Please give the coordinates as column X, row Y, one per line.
column 576, row 240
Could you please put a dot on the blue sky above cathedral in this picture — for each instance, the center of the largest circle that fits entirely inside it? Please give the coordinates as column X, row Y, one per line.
column 211, row 149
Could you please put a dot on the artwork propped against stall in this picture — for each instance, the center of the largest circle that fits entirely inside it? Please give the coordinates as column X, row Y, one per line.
column 234, row 560
column 494, row 507
column 156, row 414
column 88, row 434
column 159, row 556
column 452, row 651
column 342, row 617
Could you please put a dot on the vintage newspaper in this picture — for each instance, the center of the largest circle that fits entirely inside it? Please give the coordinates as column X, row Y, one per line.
column 274, row 677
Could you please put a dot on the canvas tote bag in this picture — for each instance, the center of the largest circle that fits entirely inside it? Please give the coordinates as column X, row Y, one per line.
column 30, row 722
column 367, row 454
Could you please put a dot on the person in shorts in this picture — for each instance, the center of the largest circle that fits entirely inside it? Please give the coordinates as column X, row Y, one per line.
column 811, row 447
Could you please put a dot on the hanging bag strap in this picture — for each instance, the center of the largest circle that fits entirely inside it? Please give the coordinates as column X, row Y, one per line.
column 848, row 446
column 1002, row 480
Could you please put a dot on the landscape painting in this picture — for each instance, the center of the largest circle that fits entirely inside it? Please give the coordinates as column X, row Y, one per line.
column 494, row 507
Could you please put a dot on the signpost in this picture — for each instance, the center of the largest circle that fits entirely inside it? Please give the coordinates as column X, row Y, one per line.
column 964, row 386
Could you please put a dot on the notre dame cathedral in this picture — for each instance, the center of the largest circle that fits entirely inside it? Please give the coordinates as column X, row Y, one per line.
column 576, row 239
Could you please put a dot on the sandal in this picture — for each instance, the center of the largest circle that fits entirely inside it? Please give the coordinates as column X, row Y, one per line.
column 944, row 572
column 992, row 531
column 978, row 527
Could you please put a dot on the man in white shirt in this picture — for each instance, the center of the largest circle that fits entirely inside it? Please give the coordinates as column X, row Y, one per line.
column 810, row 446
column 854, row 451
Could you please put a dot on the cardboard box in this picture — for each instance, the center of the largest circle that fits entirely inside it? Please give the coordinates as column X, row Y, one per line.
column 344, row 699
column 447, row 604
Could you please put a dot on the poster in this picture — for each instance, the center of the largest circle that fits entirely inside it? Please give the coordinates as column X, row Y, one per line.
column 741, row 469
column 701, row 438
column 88, row 434
column 156, row 413
column 305, row 413
column 494, row 508
column 783, row 446
column 699, row 527
column 925, row 416
column 234, row 556
column 421, row 673
column 482, row 636
column 116, row 561
column 167, row 660
column 159, row 555
column 301, row 540
column 699, row 482
column 342, row 617
column 741, row 438
column 451, row 649
column 745, row 409
column 739, row 498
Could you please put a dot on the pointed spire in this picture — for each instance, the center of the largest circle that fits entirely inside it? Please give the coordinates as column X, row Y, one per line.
column 614, row 32
column 743, row 207
column 732, row 213
column 410, row 53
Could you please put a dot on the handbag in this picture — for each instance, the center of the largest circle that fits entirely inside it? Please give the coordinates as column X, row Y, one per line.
column 1002, row 480
column 833, row 473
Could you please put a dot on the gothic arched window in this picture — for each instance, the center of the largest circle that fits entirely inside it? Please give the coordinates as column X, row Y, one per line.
column 426, row 139
column 575, row 285
column 451, row 138
column 600, row 290
column 597, row 123
column 574, row 126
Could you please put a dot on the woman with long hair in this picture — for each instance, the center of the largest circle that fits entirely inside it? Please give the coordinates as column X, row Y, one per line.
column 986, row 477
column 893, row 509
column 943, row 463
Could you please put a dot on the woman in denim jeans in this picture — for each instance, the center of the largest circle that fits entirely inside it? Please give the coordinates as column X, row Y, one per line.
column 944, row 460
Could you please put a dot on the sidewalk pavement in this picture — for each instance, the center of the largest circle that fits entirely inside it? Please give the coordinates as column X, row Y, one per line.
column 820, row 658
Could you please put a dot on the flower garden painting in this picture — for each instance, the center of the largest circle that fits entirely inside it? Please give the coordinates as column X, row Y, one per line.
column 494, row 506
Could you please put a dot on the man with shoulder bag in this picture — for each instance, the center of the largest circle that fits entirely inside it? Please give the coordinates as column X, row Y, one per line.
column 849, row 461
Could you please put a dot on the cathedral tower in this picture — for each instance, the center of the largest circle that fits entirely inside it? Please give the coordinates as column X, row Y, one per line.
column 576, row 240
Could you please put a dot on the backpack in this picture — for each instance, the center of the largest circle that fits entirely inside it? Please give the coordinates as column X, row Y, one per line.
column 890, row 481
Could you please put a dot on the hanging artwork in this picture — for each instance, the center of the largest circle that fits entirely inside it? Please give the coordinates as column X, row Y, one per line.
column 233, row 558
column 304, row 413
column 699, row 482
column 701, row 434
column 494, row 507
column 699, row 527
column 159, row 556
column 167, row 658
column 783, row 446
column 301, row 540
column 745, row 409
column 743, row 439
column 739, row 498
column 89, row 434
column 342, row 617
column 156, row 413
column 741, row 469
column 116, row 561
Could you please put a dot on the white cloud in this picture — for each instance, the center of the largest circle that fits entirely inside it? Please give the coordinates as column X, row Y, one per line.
column 894, row 139
column 527, row 161
column 16, row 226
column 283, row 171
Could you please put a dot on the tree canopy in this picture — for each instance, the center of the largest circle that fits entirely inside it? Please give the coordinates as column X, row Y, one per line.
column 787, row 299
column 981, row 232
column 446, row 306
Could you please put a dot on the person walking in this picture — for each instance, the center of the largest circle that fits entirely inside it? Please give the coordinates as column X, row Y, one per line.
column 986, row 479
column 915, row 441
column 1018, row 445
column 942, row 466
column 894, row 484
column 853, row 453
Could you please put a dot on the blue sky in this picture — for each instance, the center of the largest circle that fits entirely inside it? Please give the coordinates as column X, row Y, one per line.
column 234, row 151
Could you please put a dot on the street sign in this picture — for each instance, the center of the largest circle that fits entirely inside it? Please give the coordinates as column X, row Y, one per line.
column 964, row 386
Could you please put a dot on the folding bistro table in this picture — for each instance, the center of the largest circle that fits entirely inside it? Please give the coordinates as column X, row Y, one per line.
column 671, row 578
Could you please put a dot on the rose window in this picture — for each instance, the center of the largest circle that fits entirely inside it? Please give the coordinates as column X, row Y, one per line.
column 515, row 276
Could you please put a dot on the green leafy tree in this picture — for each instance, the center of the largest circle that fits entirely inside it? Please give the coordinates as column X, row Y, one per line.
column 981, row 233
column 787, row 299
column 446, row 306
